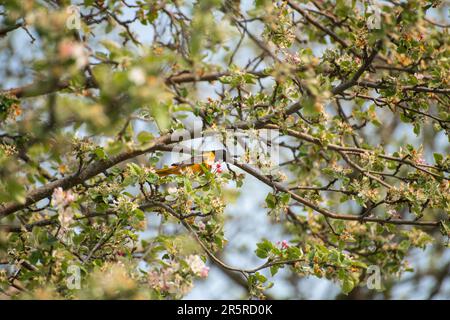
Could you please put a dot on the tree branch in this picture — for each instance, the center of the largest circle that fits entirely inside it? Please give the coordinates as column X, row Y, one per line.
column 68, row 182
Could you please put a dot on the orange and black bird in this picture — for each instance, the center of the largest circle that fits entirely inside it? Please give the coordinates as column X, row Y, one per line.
column 194, row 165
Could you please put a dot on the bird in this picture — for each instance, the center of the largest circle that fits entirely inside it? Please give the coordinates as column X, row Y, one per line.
column 195, row 164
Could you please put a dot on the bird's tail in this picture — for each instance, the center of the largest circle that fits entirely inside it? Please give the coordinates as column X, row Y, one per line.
column 167, row 171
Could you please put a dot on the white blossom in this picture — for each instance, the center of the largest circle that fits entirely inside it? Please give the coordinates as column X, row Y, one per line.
column 197, row 265
column 61, row 200
column 137, row 75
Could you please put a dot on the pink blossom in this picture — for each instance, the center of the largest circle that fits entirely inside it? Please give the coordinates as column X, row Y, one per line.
column 204, row 272
column 66, row 49
column 218, row 168
column 201, row 226
column 420, row 160
column 61, row 198
column 70, row 197
column 284, row 244
column 419, row 76
column 161, row 280
column 293, row 58
column 73, row 50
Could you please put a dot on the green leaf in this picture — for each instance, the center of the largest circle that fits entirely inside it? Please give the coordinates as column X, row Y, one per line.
column 438, row 158
column 294, row 252
column 152, row 15
column 274, row 270
column 261, row 278
column 417, row 128
column 139, row 214
column 347, row 285
column 285, row 198
column 100, row 153
column 160, row 112
column 359, row 264
column 16, row 190
column 263, row 249
column 135, row 169
column 404, row 245
column 260, row 253
column 271, row 201
column 144, row 137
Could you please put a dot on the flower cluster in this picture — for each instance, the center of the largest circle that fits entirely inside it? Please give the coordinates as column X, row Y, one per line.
column 73, row 50
column 176, row 280
column 197, row 266
column 61, row 200
column 124, row 204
